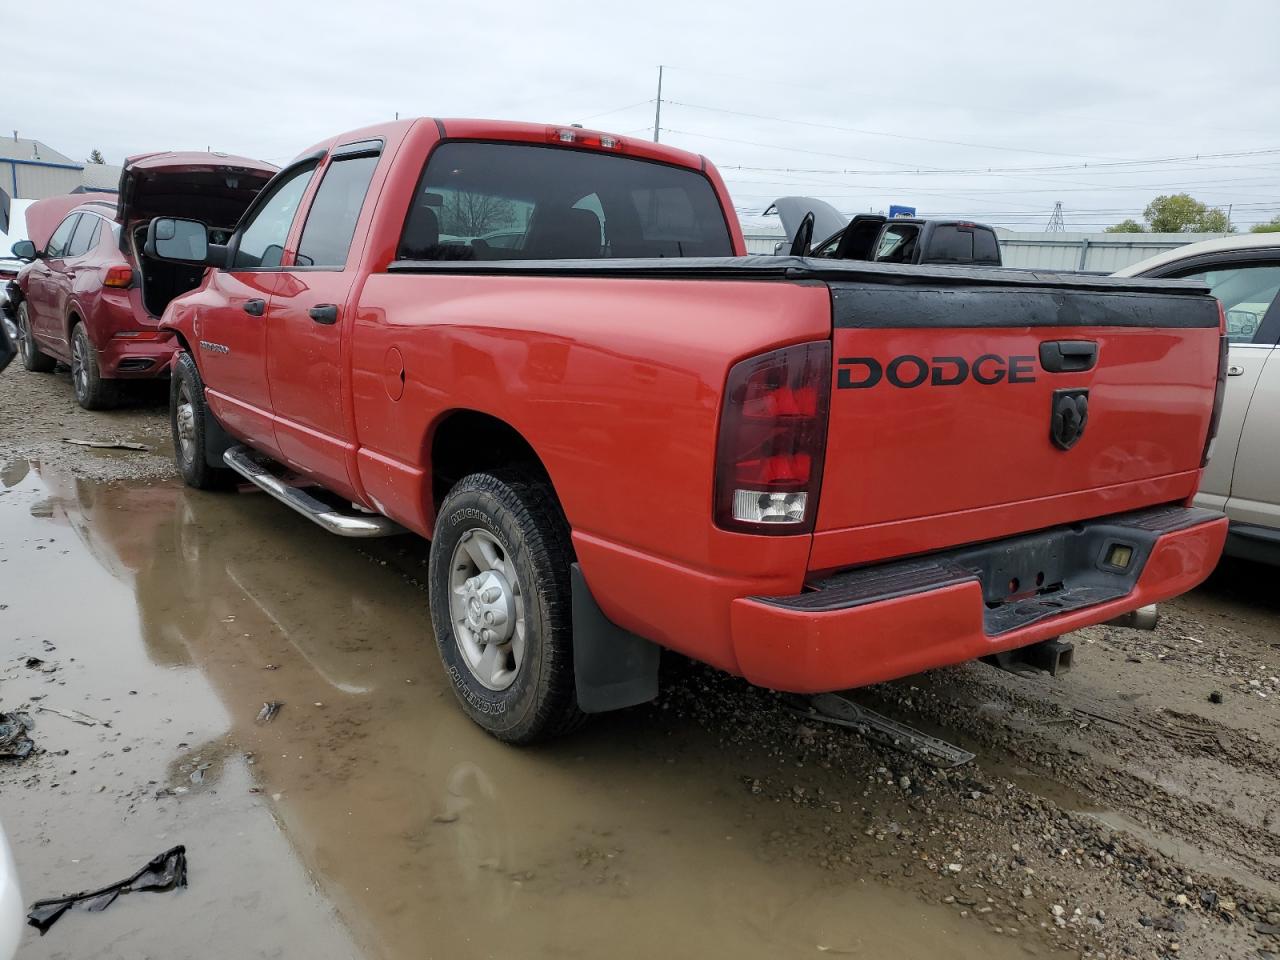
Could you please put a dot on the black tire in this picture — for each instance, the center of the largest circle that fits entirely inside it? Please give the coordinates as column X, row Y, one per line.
column 521, row 514
column 93, row 392
column 187, row 388
column 33, row 358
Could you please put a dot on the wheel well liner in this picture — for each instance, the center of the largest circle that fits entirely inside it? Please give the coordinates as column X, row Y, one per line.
column 468, row 441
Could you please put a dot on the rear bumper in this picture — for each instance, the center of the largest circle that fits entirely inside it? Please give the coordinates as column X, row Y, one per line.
column 891, row 620
column 127, row 358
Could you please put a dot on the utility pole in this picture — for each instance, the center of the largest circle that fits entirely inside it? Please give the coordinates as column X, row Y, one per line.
column 1056, row 224
column 1229, row 206
column 657, row 110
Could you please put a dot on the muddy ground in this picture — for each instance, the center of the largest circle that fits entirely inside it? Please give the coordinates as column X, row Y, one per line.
column 1116, row 811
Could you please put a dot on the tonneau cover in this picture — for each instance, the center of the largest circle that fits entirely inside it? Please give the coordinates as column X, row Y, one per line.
column 768, row 267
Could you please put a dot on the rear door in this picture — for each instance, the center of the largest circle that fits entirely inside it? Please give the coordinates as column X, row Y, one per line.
column 1247, row 288
column 64, row 280
column 232, row 331
column 309, row 317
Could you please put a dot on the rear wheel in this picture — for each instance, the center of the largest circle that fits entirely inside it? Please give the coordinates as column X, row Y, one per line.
column 92, row 391
column 189, row 418
column 32, row 357
column 500, row 604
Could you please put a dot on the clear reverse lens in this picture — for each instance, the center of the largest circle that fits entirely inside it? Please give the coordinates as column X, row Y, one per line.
column 762, row 506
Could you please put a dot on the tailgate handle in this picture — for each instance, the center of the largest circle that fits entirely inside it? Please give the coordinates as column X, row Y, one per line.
column 1068, row 356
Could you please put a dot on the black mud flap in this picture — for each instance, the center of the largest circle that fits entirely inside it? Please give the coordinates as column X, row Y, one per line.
column 216, row 440
column 613, row 668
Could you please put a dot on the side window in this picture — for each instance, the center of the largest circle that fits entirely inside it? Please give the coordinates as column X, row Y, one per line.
column 61, row 238
column 331, row 222
column 898, row 244
column 262, row 241
column 950, row 244
column 1246, row 292
column 82, row 239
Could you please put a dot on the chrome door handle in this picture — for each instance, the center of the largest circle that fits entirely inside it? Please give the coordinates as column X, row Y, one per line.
column 1235, row 370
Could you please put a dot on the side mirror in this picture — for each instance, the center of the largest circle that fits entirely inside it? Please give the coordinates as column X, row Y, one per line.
column 183, row 241
column 25, row 250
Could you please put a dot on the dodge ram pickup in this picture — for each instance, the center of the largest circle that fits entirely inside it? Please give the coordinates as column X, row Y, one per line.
column 544, row 349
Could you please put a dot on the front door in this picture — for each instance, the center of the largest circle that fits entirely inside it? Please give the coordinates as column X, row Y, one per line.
column 231, row 319
column 309, row 316
column 45, row 294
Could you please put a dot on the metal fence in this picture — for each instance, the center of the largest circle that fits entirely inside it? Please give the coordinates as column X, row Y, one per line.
column 1098, row 252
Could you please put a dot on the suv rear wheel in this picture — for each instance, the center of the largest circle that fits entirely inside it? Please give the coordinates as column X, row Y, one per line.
column 500, row 604
column 92, row 391
column 32, row 357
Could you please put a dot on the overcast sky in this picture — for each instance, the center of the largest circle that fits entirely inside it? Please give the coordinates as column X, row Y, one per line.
column 853, row 102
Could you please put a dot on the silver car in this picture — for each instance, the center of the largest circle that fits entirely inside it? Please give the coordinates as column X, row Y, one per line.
column 1243, row 478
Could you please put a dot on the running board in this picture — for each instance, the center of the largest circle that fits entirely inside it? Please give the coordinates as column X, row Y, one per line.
column 246, row 463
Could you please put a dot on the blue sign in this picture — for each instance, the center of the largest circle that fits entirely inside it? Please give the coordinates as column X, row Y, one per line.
column 895, row 210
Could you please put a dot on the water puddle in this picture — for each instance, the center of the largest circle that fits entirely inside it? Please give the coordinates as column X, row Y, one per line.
column 368, row 818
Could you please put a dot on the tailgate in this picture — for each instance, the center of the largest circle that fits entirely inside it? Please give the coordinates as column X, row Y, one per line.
column 951, row 398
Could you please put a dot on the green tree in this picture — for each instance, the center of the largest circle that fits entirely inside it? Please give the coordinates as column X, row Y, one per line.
column 1183, row 213
column 95, row 156
column 1271, row 226
column 1127, row 226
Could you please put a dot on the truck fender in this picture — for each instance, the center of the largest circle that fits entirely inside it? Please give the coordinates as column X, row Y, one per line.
column 613, row 668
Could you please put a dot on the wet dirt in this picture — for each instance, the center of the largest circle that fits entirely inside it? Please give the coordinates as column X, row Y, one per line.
column 1112, row 812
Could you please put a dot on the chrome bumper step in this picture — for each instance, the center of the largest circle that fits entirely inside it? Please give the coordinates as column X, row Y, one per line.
column 254, row 468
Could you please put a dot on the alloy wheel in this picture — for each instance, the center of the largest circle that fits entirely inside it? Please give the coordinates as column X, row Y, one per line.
column 487, row 607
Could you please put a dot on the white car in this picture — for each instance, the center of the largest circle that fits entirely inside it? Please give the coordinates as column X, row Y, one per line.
column 11, row 908
column 11, row 233
column 1243, row 477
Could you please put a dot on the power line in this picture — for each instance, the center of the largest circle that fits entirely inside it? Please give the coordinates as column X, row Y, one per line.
column 969, row 105
column 981, row 171
column 630, row 106
column 883, row 133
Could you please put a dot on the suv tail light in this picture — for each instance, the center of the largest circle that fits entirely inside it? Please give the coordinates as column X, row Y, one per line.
column 119, row 276
column 773, row 436
column 1219, row 391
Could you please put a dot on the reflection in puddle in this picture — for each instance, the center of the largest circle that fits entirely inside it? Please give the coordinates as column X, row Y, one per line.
column 431, row 838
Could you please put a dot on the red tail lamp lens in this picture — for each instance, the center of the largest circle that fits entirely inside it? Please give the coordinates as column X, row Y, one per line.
column 773, row 435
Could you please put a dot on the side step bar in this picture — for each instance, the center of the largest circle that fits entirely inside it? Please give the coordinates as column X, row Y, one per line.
column 246, row 463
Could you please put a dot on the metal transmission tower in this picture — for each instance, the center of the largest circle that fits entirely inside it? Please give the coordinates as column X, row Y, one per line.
column 1056, row 224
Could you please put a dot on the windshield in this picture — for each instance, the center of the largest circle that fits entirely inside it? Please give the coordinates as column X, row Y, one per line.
column 501, row 201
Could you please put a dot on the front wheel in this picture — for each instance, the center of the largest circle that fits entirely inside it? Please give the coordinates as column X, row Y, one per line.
column 33, row 358
column 189, row 418
column 500, row 604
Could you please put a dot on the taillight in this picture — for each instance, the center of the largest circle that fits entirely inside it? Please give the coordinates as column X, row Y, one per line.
column 584, row 138
column 118, row 277
column 1219, row 392
column 773, row 436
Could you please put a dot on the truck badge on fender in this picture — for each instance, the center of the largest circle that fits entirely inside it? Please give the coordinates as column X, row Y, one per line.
column 908, row 371
column 211, row 347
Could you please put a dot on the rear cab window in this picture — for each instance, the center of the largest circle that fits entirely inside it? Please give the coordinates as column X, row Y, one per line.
column 502, row 201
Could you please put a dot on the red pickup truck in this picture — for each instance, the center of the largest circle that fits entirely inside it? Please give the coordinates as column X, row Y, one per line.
column 544, row 349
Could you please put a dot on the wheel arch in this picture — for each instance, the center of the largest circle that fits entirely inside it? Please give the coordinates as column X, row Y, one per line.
column 463, row 441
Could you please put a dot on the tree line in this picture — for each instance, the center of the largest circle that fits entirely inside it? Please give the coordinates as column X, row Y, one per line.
column 1183, row 213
